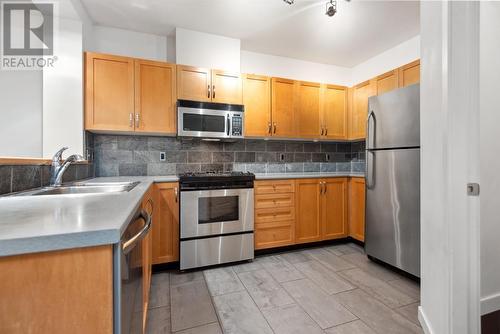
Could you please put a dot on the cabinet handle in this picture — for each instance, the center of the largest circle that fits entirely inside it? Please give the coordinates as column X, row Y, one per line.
column 269, row 128
column 208, row 90
column 322, row 130
column 321, row 188
column 176, row 193
column 131, row 120
column 137, row 120
column 326, row 131
column 213, row 92
column 274, row 124
column 324, row 187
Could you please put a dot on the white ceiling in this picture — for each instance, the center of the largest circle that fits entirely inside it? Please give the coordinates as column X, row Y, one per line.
column 359, row 30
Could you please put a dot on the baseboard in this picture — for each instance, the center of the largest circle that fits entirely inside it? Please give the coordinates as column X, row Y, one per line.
column 490, row 304
column 424, row 322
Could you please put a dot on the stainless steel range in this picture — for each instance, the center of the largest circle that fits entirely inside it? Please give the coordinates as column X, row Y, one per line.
column 216, row 218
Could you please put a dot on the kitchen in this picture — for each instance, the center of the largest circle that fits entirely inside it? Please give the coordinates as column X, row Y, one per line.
column 210, row 179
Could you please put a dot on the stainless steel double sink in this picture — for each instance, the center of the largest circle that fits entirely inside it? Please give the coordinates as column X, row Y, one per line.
column 82, row 188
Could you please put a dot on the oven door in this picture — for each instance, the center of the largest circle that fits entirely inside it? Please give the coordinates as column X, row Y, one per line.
column 216, row 212
column 203, row 123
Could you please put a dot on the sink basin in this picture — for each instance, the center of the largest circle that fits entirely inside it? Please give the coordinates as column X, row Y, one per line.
column 83, row 188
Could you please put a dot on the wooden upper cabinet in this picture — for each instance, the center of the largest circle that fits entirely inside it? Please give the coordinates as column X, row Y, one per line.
column 166, row 223
column 386, row 82
column 283, row 107
column 226, row 87
column 194, row 83
column 109, row 92
column 308, row 218
column 357, row 208
column 409, row 74
column 334, row 208
column 359, row 112
column 307, row 115
column 257, row 101
column 334, row 112
column 155, row 97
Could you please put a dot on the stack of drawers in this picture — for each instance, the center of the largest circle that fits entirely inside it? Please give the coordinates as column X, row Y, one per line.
column 274, row 213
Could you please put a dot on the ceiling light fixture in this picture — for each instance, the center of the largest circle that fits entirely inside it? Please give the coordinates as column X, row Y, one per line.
column 290, row 2
column 331, row 8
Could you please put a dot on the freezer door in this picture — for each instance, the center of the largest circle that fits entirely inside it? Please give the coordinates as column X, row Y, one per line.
column 393, row 208
column 394, row 119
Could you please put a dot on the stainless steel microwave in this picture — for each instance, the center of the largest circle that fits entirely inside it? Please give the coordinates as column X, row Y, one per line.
column 210, row 120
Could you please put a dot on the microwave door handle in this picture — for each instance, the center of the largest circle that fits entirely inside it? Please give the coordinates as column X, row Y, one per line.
column 228, row 125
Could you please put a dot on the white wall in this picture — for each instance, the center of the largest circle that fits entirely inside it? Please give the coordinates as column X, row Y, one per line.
column 63, row 93
column 399, row 55
column 206, row 50
column 490, row 160
column 259, row 63
column 127, row 43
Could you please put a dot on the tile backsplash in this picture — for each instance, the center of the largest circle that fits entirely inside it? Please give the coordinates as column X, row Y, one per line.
column 117, row 155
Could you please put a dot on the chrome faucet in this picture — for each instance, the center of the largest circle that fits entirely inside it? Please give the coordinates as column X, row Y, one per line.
column 58, row 166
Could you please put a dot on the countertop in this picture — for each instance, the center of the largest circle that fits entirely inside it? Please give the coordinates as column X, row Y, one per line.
column 46, row 223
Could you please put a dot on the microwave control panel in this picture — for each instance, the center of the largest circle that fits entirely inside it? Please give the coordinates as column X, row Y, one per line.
column 237, row 125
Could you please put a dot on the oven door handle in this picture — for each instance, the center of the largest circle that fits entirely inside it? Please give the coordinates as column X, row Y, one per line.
column 128, row 245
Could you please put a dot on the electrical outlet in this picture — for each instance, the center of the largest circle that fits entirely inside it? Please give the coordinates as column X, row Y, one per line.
column 327, row 157
column 163, row 156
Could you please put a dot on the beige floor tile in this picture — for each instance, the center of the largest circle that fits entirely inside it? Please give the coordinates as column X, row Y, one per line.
column 291, row 319
column 363, row 262
column 410, row 312
column 377, row 288
column 159, row 295
column 247, row 266
column 325, row 278
column 213, row 328
column 239, row 314
column 191, row 306
column 158, row 321
column 280, row 269
column 264, row 290
column 407, row 286
column 320, row 306
column 355, row 327
column 375, row 314
column 177, row 277
column 329, row 259
column 222, row 280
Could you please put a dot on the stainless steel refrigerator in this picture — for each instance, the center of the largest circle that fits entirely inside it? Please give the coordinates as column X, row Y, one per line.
column 393, row 179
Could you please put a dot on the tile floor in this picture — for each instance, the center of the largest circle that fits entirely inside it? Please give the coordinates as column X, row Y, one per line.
column 331, row 289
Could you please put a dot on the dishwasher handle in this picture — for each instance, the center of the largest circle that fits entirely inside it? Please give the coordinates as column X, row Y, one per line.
column 128, row 245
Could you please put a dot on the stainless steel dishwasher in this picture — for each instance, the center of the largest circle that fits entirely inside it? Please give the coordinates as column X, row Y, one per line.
column 129, row 272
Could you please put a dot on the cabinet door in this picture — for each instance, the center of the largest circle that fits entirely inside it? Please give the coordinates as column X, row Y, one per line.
column 193, row 83
column 357, row 208
column 307, row 206
column 166, row 228
column 308, row 110
column 283, row 107
column 226, row 87
column 257, row 101
column 334, row 112
column 109, row 92
column 155, row 97
column 360, row 95
column 409, row 74
column 334, row 208
column 386, row 82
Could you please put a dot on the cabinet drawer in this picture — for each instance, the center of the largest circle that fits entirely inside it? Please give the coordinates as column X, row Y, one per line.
column 275, row 235
column 274, row 214
column 274, row 200
column 274, row 187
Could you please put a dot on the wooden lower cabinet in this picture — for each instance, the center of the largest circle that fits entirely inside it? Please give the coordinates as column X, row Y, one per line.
column 334, row 208
column 166, row 223
column 357, row 208
column 307, row 206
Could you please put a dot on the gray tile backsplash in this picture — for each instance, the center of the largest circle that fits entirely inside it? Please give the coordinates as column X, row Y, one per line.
column 123, row 155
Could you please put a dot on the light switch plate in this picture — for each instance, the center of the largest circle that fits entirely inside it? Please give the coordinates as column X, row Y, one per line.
column 163, row 156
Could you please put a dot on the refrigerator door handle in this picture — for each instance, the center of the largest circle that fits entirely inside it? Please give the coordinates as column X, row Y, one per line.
column 369, row 169
column 370, row 115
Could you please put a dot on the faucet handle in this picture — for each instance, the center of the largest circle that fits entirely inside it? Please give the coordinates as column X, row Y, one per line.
column 57, row 157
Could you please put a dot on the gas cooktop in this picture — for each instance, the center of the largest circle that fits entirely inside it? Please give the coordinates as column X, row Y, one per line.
column 207, row 180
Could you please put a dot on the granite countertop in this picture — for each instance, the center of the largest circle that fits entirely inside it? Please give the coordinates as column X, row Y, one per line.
column 33, row 224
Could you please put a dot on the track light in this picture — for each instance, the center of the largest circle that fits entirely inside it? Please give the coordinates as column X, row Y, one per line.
column 290, row 2
column 331, row 8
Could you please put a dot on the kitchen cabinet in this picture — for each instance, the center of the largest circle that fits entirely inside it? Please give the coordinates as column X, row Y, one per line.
column 257, row 101
column 284, row 95
column 165, row 233
column 274, row 213
column 307, row 206
column 409, row 74
column 205, row 85
column 386, row 82
column 109, row 92
column 334, row 208
column 155, row 97
column 334, row 112
column 357, row 208
column 308, row 110
column 359, row 109
column 129, row 95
